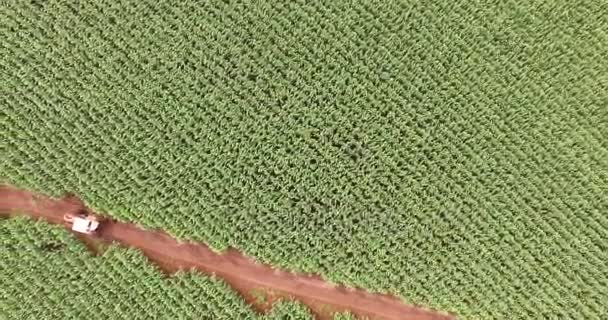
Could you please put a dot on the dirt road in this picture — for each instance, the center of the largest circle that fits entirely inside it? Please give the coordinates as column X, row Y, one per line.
column 246, row 276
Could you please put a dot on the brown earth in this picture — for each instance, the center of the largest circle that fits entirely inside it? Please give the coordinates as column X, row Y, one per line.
column 260, row 285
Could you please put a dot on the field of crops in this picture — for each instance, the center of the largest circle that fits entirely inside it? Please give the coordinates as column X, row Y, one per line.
column 452, row 153
column 48, row 274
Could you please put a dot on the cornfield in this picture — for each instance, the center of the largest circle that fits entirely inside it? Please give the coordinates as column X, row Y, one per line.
column 47, row 274
column 452, row 153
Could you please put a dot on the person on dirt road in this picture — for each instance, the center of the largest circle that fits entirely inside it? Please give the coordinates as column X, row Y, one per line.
column 82, row 222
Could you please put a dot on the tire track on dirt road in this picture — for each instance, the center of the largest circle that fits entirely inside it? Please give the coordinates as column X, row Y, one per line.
column 245, row 275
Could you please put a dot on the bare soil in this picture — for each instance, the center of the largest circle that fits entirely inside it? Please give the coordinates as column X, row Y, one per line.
column 259, row 284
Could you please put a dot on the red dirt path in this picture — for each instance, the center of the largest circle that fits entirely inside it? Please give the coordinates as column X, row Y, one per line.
column 259, row 284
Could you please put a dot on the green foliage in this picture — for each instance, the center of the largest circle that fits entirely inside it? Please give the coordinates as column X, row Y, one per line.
column 345, row 316
column 453, row 153
column 287, row 310
column 47, row 274
column 258, row 295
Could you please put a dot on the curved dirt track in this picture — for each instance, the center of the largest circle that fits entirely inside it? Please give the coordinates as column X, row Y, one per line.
column 245, row 275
